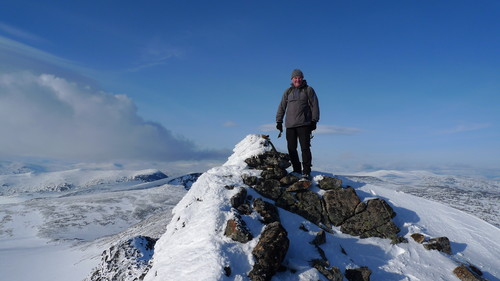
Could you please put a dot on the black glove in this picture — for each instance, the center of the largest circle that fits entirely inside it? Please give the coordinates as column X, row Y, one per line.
column 279, row 126
column 313, row 126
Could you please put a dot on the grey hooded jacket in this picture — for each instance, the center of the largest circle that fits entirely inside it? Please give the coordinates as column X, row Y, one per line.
column 300, row 105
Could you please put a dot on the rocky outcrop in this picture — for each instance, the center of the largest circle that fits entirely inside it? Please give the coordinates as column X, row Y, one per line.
column 307, row 204
column 468, row 273
column 358, row 274
column 127, row 261
column 237, row 230
column 269, row 252
column 150, row 176
column 340, row 204
column 266, row 210
column 373, row 221
column 441, row 244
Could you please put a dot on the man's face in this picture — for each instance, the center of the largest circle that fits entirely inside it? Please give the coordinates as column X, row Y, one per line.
column 297, row 81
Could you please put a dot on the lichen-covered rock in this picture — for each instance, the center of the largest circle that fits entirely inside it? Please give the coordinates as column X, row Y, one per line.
column 340, row 204
column 299, row 186
column 270, row 188
column 418, row 237
column 331, row 273
column 306, row 204
column 276, row 173
column 239, row 198
column 237, row 230
column 441, row 244
column 266, row 210
column 464, row 273
column 269, row 159
column 374, row 221
column 269, row 252
column 328, row 183
column 289, row 180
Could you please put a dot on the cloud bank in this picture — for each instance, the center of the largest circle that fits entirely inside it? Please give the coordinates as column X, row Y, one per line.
column 48, row 116
column 321, row 130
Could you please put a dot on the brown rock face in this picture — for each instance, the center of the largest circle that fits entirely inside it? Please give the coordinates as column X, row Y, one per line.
column 269, row 252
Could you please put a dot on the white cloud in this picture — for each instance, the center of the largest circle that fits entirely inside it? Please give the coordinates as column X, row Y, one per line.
column 321, row 129
column 466, row 128
column 19, row 33
column 47, row 116
column 229, row 124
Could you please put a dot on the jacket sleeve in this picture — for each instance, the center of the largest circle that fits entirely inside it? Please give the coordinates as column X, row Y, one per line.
column 314, row 104
column 282, row 107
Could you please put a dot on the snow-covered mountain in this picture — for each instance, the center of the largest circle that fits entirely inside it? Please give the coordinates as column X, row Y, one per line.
column 55, row 224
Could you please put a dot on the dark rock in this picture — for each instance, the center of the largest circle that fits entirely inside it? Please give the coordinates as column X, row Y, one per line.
column 289, row 180
column 237, row 230
column 149, row 177
column 320, row 238
column 419, row 238
column 306, row 204
column 358, row 274
column 239, row 198
column 340, row 204
column 299, row 186
column 266, row 210
column 273, row 173
column 244, row 209
column 464, row 273
column 250, row 180
column 398, row 240
column 227, row 271
column 269, row 159
column 269, row 252
column 441, row 244
column 374, row 221
column 331, row 274
column 269, row 188
column 328, row 183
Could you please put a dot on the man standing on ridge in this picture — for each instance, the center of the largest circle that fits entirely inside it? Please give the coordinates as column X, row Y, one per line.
column 300, row 105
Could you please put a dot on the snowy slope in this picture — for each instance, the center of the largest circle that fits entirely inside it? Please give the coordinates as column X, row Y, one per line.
column 194, row 247
column 59, row 235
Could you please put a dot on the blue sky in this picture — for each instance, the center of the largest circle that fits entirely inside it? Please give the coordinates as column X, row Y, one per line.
column 401, row 84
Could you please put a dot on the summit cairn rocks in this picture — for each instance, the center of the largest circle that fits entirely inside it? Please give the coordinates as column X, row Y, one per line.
column 373, row 221
column 269, row 252
column 334, row 205
column 340, row 204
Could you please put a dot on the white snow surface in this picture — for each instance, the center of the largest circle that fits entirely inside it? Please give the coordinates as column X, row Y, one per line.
column 195, row 248
column 55, row 222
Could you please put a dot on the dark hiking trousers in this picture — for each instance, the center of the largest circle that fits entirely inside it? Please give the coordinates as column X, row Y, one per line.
column 303, row 135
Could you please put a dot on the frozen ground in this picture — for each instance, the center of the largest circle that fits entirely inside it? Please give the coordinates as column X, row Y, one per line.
column 55, row 222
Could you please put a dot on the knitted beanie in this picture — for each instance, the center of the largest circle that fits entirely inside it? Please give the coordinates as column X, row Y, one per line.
column 297, row 72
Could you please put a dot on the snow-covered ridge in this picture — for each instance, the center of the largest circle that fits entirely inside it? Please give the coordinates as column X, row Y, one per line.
column 28, row 180
column 64, row 233
column 194, row 247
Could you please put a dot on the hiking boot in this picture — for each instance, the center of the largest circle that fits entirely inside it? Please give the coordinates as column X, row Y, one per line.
column 296, row 174
column 305, row 177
